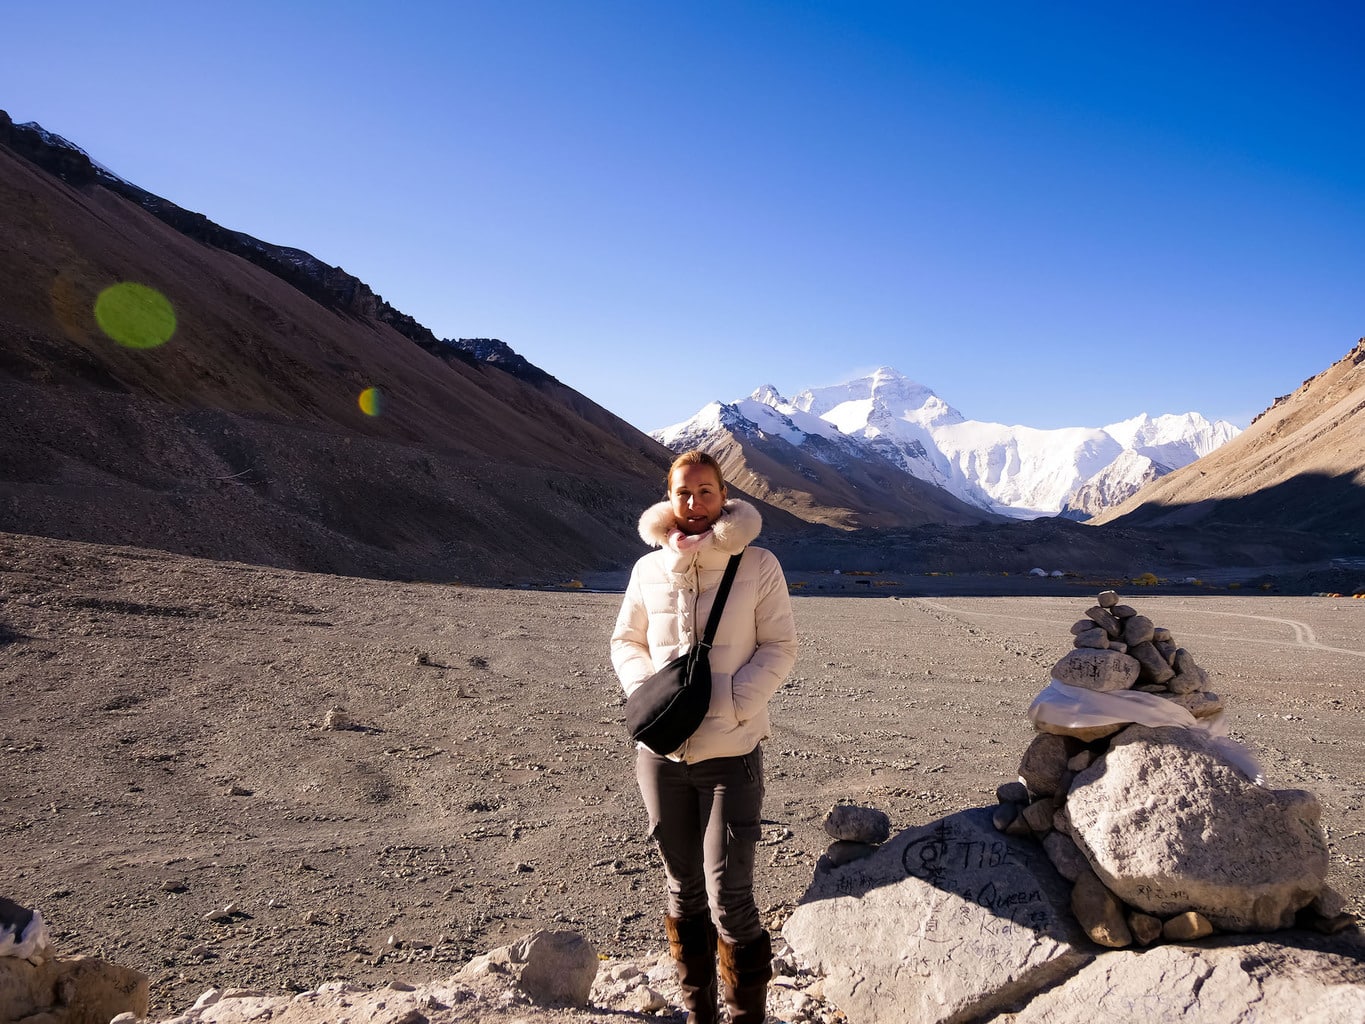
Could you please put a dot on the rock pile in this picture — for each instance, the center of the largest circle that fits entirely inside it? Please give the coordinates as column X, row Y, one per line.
column 1141, row 801
column 1115, row 648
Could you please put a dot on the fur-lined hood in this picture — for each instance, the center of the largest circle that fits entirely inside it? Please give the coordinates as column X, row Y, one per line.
column 738, row 526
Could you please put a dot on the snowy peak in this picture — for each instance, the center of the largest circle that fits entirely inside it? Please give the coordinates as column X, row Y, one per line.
column 1019, row 471
column 1171, row 438
column 769, row 395
column 873, row 404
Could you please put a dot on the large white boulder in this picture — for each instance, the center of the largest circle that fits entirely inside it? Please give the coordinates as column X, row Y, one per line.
column 1170, row 826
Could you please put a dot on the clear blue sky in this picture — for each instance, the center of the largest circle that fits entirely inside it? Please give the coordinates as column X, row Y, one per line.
column 1060, row 213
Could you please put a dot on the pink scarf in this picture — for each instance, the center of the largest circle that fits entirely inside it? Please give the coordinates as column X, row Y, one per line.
column 684, row 542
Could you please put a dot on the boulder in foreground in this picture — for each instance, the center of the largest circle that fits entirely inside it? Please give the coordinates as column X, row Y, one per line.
column 1171, row 827
column 947, row 922
column 1228, row 983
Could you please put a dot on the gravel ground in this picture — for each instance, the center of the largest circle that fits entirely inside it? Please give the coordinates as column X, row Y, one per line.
column 165, row 753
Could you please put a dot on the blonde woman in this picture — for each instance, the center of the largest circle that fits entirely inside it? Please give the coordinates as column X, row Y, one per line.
column 704, row 800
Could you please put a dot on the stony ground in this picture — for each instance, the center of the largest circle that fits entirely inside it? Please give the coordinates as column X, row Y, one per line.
column 173, row 799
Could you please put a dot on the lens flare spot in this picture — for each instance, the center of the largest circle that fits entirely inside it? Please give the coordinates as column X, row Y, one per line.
column 134, row 315
column 371, row 402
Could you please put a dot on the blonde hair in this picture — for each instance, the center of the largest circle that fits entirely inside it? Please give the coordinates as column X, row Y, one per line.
column 696, row 457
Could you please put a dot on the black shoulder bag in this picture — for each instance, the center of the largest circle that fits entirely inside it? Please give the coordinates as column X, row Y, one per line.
column 667, row 708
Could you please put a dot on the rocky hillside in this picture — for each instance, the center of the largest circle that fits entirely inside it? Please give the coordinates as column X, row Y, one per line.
column 1299, row 466
column 241, row 437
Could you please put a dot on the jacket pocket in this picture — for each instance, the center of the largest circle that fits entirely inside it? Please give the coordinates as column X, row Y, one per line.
column 722, row 703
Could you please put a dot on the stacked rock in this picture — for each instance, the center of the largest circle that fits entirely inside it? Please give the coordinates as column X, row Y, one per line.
column 1115, row 648
column 1159, row 830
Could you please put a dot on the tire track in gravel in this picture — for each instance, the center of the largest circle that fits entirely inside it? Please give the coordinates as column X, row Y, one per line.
column 1304, row 636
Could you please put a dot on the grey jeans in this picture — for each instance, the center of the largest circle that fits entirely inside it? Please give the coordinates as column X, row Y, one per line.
column 706, row 819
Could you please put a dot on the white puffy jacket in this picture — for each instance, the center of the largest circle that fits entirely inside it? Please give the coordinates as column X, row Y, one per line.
column 664, row 613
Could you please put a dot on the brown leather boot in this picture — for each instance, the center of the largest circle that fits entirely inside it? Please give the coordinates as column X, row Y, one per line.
column 744, row 974
column 692, row 941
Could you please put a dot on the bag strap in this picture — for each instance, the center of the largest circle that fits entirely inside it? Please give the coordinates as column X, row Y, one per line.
column 722, row 592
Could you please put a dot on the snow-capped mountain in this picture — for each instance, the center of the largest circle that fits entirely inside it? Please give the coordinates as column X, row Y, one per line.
column 1018, row 471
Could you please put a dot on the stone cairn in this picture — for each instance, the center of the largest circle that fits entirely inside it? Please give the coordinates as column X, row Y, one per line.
column 1160, row 834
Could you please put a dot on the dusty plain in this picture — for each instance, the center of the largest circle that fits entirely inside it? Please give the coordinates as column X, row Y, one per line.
column 164, row 753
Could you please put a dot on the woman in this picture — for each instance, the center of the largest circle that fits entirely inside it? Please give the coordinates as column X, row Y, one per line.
column 704, row 800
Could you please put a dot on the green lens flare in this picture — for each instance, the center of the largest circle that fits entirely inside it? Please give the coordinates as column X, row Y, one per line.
column 134, row 315
column 371, row 402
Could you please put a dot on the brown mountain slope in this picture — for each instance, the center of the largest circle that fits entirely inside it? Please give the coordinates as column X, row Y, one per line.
column 1299, row 466
column 241, row 437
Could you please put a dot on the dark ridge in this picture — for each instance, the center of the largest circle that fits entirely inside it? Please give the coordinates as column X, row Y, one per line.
column 331, row 287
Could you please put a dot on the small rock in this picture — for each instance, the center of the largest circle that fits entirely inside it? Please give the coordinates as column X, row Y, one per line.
column 1154, row 668
column 1108, row 598
column 1012, row 793
column 1081, row 761
column 1065, row 855
column 1105, row 620
column 1044, row 763
column 1146, row 929
column 845, row 851
column 337, row 720
column 858, row 824
column 1094, row 639
column 1187, row 926
column 1201, row 704
column 1184, row 682
column 1100, row 912
column 643, row 999
column 1003, row 816
column 1328, row 902
column 1332, row 925
column 1039, row 814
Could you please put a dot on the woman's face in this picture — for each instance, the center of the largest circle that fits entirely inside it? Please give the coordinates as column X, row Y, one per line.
column 697, row 498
